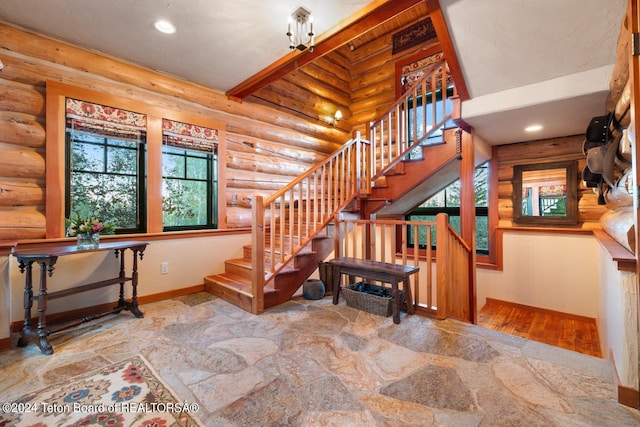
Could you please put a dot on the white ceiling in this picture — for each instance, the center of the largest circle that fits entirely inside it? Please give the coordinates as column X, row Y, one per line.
column 524, row 61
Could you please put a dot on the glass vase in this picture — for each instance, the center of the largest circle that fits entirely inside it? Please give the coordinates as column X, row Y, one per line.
column 88, row 240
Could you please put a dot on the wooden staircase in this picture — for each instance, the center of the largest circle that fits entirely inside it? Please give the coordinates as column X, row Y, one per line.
column 234, row 285
column 292, row 231
column 413, row 180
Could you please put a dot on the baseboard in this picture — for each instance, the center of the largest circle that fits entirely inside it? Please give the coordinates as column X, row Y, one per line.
column 626, row 395
column 542, row 310
column 5, row 344
column 86, row 311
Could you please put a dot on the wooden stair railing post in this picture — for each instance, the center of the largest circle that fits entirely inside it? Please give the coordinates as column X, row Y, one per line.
column 257, row 256
column 442, row 264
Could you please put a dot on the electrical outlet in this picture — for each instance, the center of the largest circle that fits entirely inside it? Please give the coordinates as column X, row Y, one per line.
column 164, row 268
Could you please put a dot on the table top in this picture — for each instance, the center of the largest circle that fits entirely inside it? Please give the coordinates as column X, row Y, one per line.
column 385, row 267
column 73, row 249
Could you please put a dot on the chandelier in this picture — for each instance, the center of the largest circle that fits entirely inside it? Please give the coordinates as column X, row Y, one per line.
column 302, row 36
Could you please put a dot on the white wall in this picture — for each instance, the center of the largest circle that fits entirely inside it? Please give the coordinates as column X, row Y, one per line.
column 190, row 260
column 553, row 271
column 618, row 318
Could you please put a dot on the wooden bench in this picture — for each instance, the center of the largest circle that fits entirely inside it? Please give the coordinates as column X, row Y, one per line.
column 375, row 270
column 46, row 258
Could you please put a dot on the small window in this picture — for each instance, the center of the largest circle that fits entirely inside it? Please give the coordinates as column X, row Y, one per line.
column 189, row 176
column 105, row 165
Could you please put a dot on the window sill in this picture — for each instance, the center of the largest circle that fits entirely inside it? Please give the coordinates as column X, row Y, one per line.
column 626, row 260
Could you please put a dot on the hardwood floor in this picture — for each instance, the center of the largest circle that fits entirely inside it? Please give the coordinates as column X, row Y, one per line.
column 561, row 330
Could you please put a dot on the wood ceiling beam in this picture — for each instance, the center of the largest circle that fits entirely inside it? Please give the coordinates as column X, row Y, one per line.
column 367, row 18
column 444, row 38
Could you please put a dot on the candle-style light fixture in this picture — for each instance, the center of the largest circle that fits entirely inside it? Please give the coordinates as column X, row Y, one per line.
column 300, row 30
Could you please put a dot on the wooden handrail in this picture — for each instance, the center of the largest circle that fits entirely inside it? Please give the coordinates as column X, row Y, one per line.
column 287, row 221
column 394, row 127
column 294, row 215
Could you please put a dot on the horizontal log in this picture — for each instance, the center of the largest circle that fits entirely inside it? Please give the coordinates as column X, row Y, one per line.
column 244, row 179
column 21, row 219
column 21, row 129
column 369, row 77
column 21, row 98
column 381, row 100
column 505, row 209
column 505, row 190
column 539, row 151
column 80, row 66
column 619, row 224
column 17, row 163
column 271, row 165
column 318, row 74
column 505, row 172
column 238, row 217
column 245, row 144
column 302, row 85
column 380, row 46
column 16, row 193
column 364, row 92
column 336, row 65
column 305, row 100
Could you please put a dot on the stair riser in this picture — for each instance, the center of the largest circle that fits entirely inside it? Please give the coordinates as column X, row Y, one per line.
column 237, row 270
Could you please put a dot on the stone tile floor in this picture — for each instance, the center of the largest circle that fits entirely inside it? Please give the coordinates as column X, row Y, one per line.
column 313, row 363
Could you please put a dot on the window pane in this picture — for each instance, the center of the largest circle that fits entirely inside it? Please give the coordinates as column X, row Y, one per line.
column 184, row 203
column 112, row 198
column 173, row 165
column 122, row 160
column 482, row 234
column 87, row 157
column 197, row 168
column 453, row 194
column 436, row 201
column 481, row 183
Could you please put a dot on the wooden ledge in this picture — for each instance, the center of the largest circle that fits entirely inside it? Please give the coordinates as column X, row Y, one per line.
column 625, row 259
column 7, row 246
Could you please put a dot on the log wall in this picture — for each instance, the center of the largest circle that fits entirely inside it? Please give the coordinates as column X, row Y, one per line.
column 545, row 151
column 265, row 148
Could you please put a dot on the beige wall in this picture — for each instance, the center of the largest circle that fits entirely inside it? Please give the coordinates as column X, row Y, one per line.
column 553, row 271
column 190, row 260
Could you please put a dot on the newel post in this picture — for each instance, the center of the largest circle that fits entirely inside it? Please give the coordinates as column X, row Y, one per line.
column 257, row 255
column 442, row 264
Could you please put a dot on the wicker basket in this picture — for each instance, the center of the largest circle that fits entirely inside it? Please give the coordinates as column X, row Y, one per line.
column 357, row 297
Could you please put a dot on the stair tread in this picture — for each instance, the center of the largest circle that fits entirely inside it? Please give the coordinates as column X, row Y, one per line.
column 238, row 283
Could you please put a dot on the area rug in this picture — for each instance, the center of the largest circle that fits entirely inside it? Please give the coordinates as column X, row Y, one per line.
column 127, row 393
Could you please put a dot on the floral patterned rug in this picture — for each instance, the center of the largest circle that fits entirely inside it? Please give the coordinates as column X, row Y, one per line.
column 127, row 393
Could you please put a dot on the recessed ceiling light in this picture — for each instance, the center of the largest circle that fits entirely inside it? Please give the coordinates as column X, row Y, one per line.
column 533, row 128
column 165, row 26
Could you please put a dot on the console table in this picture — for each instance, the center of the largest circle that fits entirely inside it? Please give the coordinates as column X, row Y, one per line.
column 46, row 258
column 375, row 270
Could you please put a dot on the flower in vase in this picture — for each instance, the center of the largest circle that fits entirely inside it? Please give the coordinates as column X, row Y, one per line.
column 77, row 225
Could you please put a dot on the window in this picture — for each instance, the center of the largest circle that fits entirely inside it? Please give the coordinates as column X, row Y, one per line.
column 448, row 201
column 189, row 176
column 140, row 166
column 105, row 165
